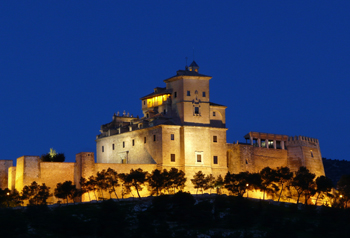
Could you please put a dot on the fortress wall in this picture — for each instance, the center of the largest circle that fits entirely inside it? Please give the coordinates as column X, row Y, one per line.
column 53, row 173
column 4, row 167
column 295, row 157
column 314, row 164
column 12, row 178
column 254, row 159
column 27, row 171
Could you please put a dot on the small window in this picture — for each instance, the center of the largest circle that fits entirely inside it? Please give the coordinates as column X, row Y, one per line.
column 112, row 146
column 133, row 142
column 196, row 110
column 123, row 144
column 172, row 137
column 154, row 138
column 214, row 114
column 199, row 158
column 144, row 140
column 164, row 112
column 312, row 154
column 175, row 94
column 147, row 115
column 144, row 102
column 172, row 157
column 246, row 161
column 188, row 93
column 215, row 159
column 203, row 94
column 215, row 139
column 103, row 149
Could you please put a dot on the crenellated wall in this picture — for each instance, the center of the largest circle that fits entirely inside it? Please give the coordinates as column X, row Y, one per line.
column 4, row 174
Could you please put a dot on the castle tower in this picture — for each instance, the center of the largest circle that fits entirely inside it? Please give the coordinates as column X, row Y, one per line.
column 305, row 151
column 190, row 96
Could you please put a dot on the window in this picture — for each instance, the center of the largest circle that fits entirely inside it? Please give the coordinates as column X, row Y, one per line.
column 215, row 139
column 164, row 112
column 112, row 146
column 312, row 154
column 175, row 94
column 199, row 158
column 103, row 149
column 196, row 110
column 215, row 159
column 172, row 137
column 133, row 142
column 188, row 93
column 270, row 142
column 203, row 94
column 154, row 138
column 144, row 140
column 144, row 102
column 147, row 115
column 214, row 114
column 123, row 144
column 172, row 157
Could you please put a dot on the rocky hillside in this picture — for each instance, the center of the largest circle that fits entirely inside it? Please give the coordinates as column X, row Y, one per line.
column 334, row 169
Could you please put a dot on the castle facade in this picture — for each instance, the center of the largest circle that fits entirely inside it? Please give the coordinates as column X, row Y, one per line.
column 180, row 128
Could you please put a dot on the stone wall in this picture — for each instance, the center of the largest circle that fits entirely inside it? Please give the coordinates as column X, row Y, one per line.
column 4, row 167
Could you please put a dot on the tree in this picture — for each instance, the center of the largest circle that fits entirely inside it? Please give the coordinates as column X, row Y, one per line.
column 36, row 194
column 136, row 178
column 219, row 182
column 324, row 186
column 303, row 182
column 125, row 185
column 176, row 179
column 91, row 185
column 112, row 181
column 52, row 156
column 209, row 183
column 84, row 187
column 283, row 176
column 269, row 179
column 237, row 183
column 198, row 181
column 66, row 190
column 101, row 181
column 156, row 181
column 343, row 186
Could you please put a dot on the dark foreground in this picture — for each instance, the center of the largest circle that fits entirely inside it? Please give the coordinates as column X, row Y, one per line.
column 179, row 215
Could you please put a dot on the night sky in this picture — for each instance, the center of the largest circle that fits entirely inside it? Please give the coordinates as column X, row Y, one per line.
column 66, row 66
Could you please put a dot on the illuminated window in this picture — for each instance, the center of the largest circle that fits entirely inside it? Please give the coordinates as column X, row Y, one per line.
column 133, row 142
column 196, row 110
column 270, row 142
column 154, row 138
column 215, row 139
column 172, row 157
column 188, row 93
column 263, row 143
column 203, row 94
column 112, row 146
column 172, row 137
column 215, row 159
column 175, row 94
column 103, row 149
column 123, row 144
column 144, row 140
column 214, row 114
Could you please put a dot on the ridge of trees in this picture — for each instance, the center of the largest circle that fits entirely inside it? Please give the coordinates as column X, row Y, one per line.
column 276, row 183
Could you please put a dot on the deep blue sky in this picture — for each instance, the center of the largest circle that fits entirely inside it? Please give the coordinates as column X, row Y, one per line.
column 66, row 66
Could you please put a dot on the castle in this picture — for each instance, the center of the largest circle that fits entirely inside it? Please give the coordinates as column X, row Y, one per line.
column 180, row 128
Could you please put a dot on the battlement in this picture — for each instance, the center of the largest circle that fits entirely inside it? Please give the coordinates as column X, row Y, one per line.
column 302, row 140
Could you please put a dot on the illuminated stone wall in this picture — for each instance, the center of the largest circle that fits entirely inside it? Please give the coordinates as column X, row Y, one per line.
column 4, row 167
